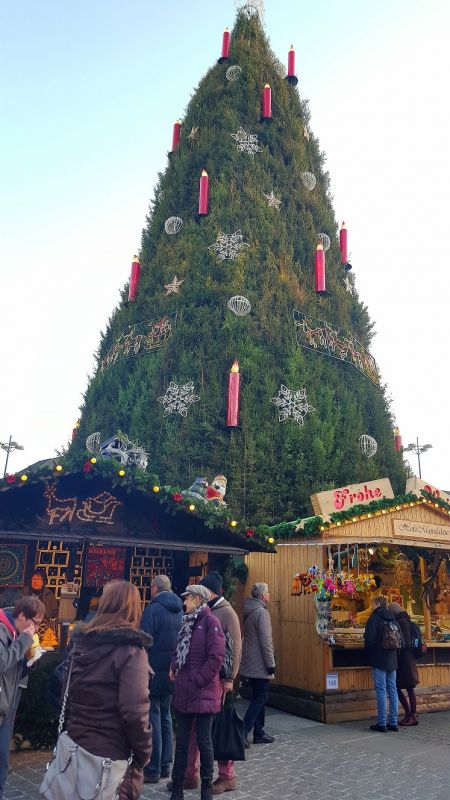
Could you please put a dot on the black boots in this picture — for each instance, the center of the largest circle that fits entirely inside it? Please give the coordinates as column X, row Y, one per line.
column 177, row 789
column 206, row 791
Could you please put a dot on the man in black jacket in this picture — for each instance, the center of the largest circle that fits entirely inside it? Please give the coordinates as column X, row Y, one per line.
column 162, row 620
column 383, row 662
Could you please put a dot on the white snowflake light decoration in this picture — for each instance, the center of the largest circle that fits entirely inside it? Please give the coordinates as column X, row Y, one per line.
column 228, row 245
column 308, row 180
column 93, row 442
column 325, row 240
column 173, row 225
column 178, row 398
column 272, row 201
column 251, row 8
column 239, row 305
column 292, row 404
column 174, row 286
column 368, row 445
column 233, row 73
column 246, row 142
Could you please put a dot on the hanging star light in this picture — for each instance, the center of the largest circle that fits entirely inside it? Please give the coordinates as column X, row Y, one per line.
column 173, row 225
column 292, row 404
column 228, row 245
column 306, row 133
column 178, row 398
column 272, row 201
column 193, row 133
column 246, row 142
column 233, row 73
column 174, row 286
column 308, row 180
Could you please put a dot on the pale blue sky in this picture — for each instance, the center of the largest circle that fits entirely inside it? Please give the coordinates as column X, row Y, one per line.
column 89, row 92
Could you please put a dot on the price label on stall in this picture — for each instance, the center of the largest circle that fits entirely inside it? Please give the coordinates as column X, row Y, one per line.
column 332, row 680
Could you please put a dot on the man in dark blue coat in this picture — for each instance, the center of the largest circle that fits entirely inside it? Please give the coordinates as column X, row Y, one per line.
column 382, row 657
column 162, row 620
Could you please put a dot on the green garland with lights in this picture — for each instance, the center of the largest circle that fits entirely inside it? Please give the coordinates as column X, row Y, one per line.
column 132, row 478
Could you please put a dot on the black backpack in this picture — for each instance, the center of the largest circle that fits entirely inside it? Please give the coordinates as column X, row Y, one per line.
column 418, row 646
column 227, row 666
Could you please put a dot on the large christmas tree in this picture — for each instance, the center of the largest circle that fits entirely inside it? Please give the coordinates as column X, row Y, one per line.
column 190, row 334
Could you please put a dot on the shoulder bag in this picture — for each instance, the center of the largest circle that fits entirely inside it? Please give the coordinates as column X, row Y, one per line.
column 78, row 774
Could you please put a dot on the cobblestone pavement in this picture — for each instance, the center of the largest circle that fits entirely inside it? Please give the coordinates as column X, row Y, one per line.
column 310, row 761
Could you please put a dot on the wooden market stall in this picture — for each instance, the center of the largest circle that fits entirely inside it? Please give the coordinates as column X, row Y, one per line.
column 397, row 546
column 64, row 538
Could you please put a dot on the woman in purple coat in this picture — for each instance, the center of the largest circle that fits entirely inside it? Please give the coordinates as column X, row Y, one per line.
column 195, row 669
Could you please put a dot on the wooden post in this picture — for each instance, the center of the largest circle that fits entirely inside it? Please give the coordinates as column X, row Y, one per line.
column 426, row 610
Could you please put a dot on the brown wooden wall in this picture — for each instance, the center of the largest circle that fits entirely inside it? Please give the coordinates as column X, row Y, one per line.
column 299, row 652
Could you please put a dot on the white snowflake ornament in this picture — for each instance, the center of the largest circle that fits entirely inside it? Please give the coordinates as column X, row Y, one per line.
column 228, row 245
column 178, row 398
column 246, row 142
column 291, row 403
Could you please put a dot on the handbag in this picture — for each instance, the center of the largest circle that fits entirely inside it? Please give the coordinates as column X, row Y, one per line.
column 228, row 735
column 76, row 773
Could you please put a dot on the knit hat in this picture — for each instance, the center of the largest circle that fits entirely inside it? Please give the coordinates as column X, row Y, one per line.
column 213, row 581
column 396, row 608
column 200, row 591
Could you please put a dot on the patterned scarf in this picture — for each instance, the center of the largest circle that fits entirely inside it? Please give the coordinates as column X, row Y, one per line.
column 184, row 637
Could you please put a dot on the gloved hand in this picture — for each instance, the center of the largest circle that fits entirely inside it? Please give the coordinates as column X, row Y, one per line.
column 271, row 670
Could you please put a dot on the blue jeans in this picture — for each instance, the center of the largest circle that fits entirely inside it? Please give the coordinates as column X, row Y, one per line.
column 5, row 737
column 385, row 683
column 162, row 734
column 255, row 714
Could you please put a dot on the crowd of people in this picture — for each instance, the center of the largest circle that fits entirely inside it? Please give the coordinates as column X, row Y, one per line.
column 127, row 672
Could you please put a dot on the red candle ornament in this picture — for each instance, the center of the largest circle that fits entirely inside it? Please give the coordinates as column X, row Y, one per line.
column 291, row 62
column 203, row 194
column 134, row 279
column 176, row 135
column 267, row 104
column 225, row 46
column 234, row 385
column 320, row 269
column 343, row 246
column 398, row 444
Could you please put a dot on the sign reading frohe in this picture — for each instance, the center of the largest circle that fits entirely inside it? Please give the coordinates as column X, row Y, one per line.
column 346, row 497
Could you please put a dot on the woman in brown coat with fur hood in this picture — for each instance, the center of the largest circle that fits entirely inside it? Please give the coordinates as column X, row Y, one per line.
column 108, row 705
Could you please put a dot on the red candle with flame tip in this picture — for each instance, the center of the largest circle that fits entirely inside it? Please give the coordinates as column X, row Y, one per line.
column 343, row 243
column 234, row 385
column 398, row 444
column 203, row 194
column 291, row 62
column 320, row 268
column 134, row 279
column 176, row 135
column 267, row 102
column 225, row 44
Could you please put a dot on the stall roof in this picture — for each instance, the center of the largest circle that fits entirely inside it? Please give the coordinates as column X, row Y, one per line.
column 96, row 509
